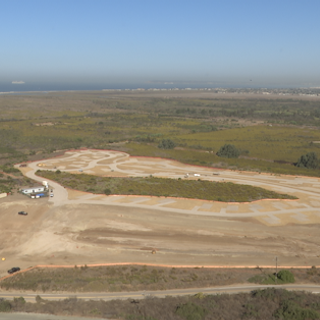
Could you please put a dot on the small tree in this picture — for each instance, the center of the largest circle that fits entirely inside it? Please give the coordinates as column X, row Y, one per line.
column 286, row 276
column 309, row 160
column 166, row 144
column 39, row 299
column 107, row 191
column 228, row 151
column 19, row 300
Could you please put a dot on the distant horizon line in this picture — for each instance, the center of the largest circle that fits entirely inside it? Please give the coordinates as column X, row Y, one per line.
column 16, row 86
column 226, row 89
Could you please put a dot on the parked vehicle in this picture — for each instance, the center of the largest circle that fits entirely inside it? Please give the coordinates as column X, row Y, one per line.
column 23, row 213
column 13, row 270
column 51, row 194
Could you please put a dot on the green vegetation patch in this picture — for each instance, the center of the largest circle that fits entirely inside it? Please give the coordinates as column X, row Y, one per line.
column 166, row 144
column 291, row 310
column 268, row 304
column 10, row 179
column 228, row 151
column 279, row 143
column 135, row 278
column 310, row 161
column 282, row 277
column 191, row 311
column 122, row 278
column 5, row 306
column 207, row 158
column 200, row 189
column 34, row 126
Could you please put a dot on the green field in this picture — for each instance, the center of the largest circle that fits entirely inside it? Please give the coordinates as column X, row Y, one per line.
column 271, row 134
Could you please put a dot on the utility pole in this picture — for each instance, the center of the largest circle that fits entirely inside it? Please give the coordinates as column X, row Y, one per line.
column 276, row 269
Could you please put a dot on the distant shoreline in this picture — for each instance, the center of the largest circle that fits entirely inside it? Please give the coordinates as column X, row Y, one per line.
column 265, row 93
column 32, row 87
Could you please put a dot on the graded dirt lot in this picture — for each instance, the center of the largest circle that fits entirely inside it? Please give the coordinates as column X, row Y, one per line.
column 82, row 228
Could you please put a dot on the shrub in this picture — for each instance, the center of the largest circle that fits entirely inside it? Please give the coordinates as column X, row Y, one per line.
column 263, row 279
column 11, row 170
column 283, row 276
column 166, row 144
column 286, row 276
column 19, row 300
column 309, row 161
column 107, row 191
column 5, row 306
column 228, row 151
column 39, row 299
column 290, row 310
column 191, row 311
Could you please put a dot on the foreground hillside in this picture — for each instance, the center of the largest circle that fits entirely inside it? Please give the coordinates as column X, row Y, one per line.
column 265, row 304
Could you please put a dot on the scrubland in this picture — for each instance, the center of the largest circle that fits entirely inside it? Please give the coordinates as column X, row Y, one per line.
column 137, row 278
column 200, row 189
column 265, row 304
column 270, row 133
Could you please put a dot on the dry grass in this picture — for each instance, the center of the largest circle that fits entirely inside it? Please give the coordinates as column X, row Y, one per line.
column 268, row 304
column 135, row 278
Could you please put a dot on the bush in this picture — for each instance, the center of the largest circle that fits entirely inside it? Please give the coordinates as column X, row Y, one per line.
column 19, row 300
column 286, row 276
column 39, row 299
column 11, row 170
column 5, row 306
column 228, row 151
column 309, row 161
column 191, row 311
column 166, row 144
column 107, row 191
column 283, row 276
column 289, row 310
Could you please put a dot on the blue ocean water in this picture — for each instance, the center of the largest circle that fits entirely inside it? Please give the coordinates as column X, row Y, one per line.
column 45, row 87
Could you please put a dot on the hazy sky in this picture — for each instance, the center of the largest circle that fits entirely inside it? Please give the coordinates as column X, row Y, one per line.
column 158, row 40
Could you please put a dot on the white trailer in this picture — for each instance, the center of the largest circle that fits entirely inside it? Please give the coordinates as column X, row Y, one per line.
column 33, row 190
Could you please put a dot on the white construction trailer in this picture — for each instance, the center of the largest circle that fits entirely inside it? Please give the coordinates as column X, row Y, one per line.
column 36, row 189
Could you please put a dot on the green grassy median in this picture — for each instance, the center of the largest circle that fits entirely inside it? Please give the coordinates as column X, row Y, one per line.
column 163, row 187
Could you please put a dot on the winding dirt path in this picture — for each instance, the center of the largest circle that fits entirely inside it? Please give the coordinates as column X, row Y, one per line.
column 81, row 228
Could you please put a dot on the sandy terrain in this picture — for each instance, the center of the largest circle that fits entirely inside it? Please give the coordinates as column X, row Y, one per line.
column 82, row 228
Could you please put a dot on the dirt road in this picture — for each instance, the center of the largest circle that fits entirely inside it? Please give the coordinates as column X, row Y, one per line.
column 35, row 316
column 81, row 228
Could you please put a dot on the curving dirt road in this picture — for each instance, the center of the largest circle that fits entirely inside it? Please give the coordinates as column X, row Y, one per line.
column 75, row 227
